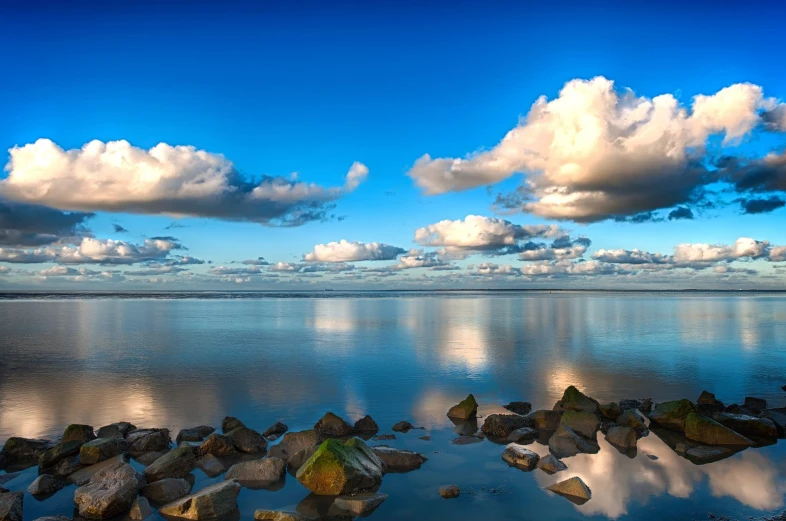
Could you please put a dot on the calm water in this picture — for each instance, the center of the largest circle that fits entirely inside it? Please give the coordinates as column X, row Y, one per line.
column 187, row 361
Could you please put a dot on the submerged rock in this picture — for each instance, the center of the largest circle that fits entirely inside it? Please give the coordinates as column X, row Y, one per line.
column 523, row 434
column 299, row 458
column 210, row 465
column 18, row 449
column 465, row 409
column 502, row 425
column 575, row 400
column 701, row 454
column 384, row 437
column 333, row 426
column 522, row 408
column 217, row 445
column 763, row 428
column 85, row 474
column 277, row 429
column 449, row 491
column 672, row 414
column 465, row 440
column 76, row 432
column 148, row 440
column 398, row 460
column 230, row 423
column 44, row 484
column 166, row 490
column 194, row 433
column 545, row 420
column 565, row 443
column 573, row 489
column 610, row 410
column 366, row 425
column 109, row 493
column 404, row 426
column 520, row 457
column 101, row 449
column 213, row 502
column 176, row 463
column 258, row 473
column 59, row 452
column 140, row 509
column 338, row 468
column 293, row 442
column 709, row 432
column 634, row 419
column 359, row 504
column 622, row 437
column 11, row 506
column 584, row 424
column 550, row 464
column 247, row 440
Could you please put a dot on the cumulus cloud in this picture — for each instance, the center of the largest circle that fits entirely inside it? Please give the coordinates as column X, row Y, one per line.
column 283, row 267
column 172, row 180
column 259, row 261
column 95, row 251
column 4, row 270
column 346, row 251
column 561, row 248
column 223, row 270
column 631, row 257
column 767, row 174
column 33, row 225
column 596, row 152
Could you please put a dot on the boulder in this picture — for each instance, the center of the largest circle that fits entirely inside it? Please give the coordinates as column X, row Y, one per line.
column 211, row 465
column 544, row 420
column 109, row 493
column 76, row 432
column 140, row 509
column 258, row 473
column 115, row 430
column 584, row 424
column 672, row 414
column 217, row 445
column 610, row 410
column 276, row 429
column 778, row 417
column 404, row 426
column 166, row 490
column 44, row 484
column 230, row 423
column 524, row 434
column 85, row 474
column 575, row 400
column 366, row 425
column 520, row 457
column 755, row 404
column 338, row 468
column 59, row 452
column 247, row 440
column 622, row 437
column 551, row 464
column 101, row 449
column 293, row 442
column 749, row 426
column 18, row 449
column 177, row 463
column 502, row 425
column 65, row 467
column 11, row 506
column 194, row 433
column 465, row 409
column 706, row 397
column 643, row 405
column 709, row 432
column 739, row 409
column 397, row 460
column 573, row 489
column 522, row 408
column 148, row 458
column 449, row 491
column 213, row 502
column 279, row 515
column 299, row 458
column 148, row 440
column 332, row 426
column 707, row 404
column 565, row 443
column 701, row 454
column 634, row 419
column 359, row 504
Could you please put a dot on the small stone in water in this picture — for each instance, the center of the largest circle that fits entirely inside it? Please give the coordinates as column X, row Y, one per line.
column 449, row 491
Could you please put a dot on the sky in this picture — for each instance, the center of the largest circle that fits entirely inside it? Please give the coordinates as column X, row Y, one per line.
column 299, row 145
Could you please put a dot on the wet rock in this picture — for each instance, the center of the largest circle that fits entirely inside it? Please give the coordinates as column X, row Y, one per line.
column 18, row 449
column 44, row 484
column 299, row 458
column 332, row 426
column 166, row 490
column 101, row 449
column 276, row 429
column 575, row 400
column 65, row 467
column 148, row 440
column 748, row 426
column 109, row 493
column 194, row 433
column 706, row 397
column 360, row 504
column 502, row 425
column 565, row 443
column 366, row 425
column 610, row 410
column 551, row 464
column 397, row 460
column 672, row 414
column 404, row 426
column 573, row 489
column 465, row 409
column 384, row 437
column 634, row 419
column 140, row 509
column 59, row 452
column 176, row 463
column 700, row 455
column 449, row 491
column 544, row 420
column 424, row 438
column 520, row 457
column 338, row 468
column 213, row 502
column 280, row 515
column 258, row 473
column 5, row 478
column 709, row 432
column 644, row 405
column 465, row 440
column 11, row 506
column 115, row 430
column 230, row 423
column 584, row 424
column 755, row 404
column 217, row 445
column 85, row 474
column 148, row 458
column 210, row 465
column 247, row 440
column 522, row 408
column 622, row 437
column 293, row 442
column 522, row 435
column 778, row 417
column 739, row 409
column 707, row 404
column 76, row 432
column 193, row 446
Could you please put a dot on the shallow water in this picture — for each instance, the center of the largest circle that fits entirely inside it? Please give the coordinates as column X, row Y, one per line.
column 187, row 361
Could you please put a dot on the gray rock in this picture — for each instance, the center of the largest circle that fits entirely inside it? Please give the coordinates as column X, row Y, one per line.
column 258, row 473
column 140, row 510
column 575, row 400
column 522, row 408
column 397, row 460
column 545, row 420
column 115, row 430
column 211, row 465
column 213, row 502
column 360, row 504
column 64, row 467
column 622, row 437
column 298, row 459
column 44, row 484
column 366, row 425
column 565, row 443
column 247, row 440
column 194, row 433
column 502, row 425
column 465, row 440
column 84, row 475
column 672, row 414
column 404, row 426
column 148, row 458
column 276, row 429
column 584, row 424
column 643, row 405
column 778, row 417
column 551, row 464
column 109, row 493
column 102, row 449
column 702, row 454
column 762, row 428
column 176, row 463
column 18, row 449
column 217, row 445
column 573, row 489
column 230, row 423
column 755, row 404
column 523, row 434
column 280, row 515
column 75, row 432
column 634, row 419
column 610, row 410
column 709, row 432
column 520, row 457
column 332, row 426
column 293, row 442
column 449, row 491
column 148, row 440
column 11, row 504
column 59, row 452
column 166, row 490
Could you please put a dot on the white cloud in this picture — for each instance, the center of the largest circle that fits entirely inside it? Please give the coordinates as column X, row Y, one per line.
column 172, row 180
column 621, row 256
column 778, row 253
column 283, row 266
column 477, row 233
column 95, row 251
column 346, row 251
column 259, row 261
column 707, row 253
column 4, row 270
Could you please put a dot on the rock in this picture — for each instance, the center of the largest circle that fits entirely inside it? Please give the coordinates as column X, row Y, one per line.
column 230, row 423
column 217, row 445
column 523, row 434
column 5, row 478
column 148, row 440
column 449, row 491
column 101, row 449
column 299, row 458
column 565, row 443
column 778, row 417
column 148, row 458
column 424, row 438
column 247, row 440
column 213, row 502
column 738, row 409
column 465, row 409
column 397, row 460
column 166, row 490
column 584, row 424
column 277, row 429
column 279, row 515
column 193, row 446
column 59, row 452
column 703, row 454
column 502, row 425
column 293, row 442
column 338, row 468
column 709, row 432
column 672, row 414
column 44, row 484
column 140, row 509
column 116, row 430
column 551, row 464
column 755, row 404
column 575, row 400
column 176, row 463
column 258, row 473
column 644, row 406
column 404, row 426
column 109, row 493
column 610, row 410
column 65, row 467
column 11, row 506
column 83, row 433
column 622, row 437
column 546, row 420
column 332, row 426
column 18, row 449
column 194, row 433
column 634, row 419
column 708, row 404
column 749, row 426
column 573, row 489
column 210, row 465
column 85, row 474
column 366, row 425
column 706, row 397
column 58, row 517
column 465, row 440
column 384, row 437
column 360, row 504
column 522, row 408
column 520, row 457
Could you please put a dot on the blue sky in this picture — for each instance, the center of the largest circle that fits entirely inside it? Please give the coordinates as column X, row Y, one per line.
column 306, row 88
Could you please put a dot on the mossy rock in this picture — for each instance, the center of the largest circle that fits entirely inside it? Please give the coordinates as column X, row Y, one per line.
column 83, row 433
column 709, row 432
column 672, row 414
column 466, row 409
column 575, row 400
column 341, row 468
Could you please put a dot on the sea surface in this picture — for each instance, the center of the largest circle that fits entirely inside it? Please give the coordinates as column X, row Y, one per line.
column 179, row 360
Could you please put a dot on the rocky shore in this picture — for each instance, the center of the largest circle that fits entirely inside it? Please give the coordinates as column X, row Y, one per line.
column 346, row 463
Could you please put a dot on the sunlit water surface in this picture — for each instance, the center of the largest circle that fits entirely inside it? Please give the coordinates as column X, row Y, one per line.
column 189, row 361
